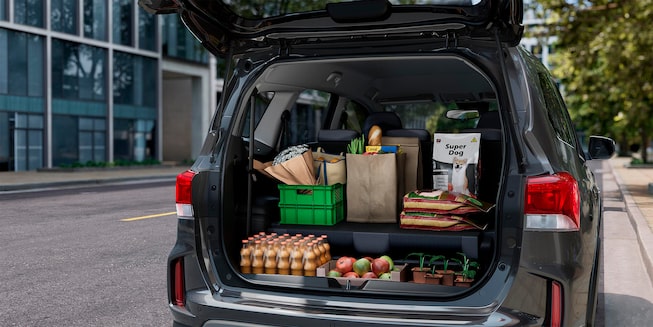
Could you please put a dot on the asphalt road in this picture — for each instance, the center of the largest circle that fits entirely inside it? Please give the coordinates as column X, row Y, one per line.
column 69, row 259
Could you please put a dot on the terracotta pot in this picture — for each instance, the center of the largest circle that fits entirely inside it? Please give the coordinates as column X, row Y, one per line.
column 433, row 279
column 463, row 282
column 419, row 275
column 447, row 277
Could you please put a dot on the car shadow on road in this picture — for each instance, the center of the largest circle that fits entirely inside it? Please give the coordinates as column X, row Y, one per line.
column 623, row 310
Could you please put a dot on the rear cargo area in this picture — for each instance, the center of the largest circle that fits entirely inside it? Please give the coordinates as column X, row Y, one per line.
column 390, row 160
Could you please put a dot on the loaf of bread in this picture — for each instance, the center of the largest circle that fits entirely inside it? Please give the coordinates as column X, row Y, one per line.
column 374, row 135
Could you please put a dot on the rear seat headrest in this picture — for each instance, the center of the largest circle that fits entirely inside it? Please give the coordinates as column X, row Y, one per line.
column 336, row 135
column 384, row 119
column 421, row 134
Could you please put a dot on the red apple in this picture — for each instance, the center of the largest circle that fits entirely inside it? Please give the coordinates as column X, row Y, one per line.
column 380, row 266
column 351, row 274
column 344, row 264
column 369, row 274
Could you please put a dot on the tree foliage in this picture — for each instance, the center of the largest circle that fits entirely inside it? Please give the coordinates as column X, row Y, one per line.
column 604, row 61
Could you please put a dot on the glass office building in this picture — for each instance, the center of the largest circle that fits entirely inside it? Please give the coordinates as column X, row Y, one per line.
column 99, row 81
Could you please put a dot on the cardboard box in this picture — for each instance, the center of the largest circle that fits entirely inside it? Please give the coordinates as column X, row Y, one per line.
column 399, row 274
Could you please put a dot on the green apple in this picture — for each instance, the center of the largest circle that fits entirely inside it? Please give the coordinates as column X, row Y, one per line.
column 361, row 266
column 334, row 273
column 387, row 276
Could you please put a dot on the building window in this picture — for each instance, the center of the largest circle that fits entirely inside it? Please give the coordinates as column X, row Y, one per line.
column 3, row 13
column 92, row 135
column 78, row 140
column 123, row 23
column 21, row 64
column 134, row 80
column 133, row 139
column 63, row 16
column 178, row 42
column 146, row 30
column 29, row 12
column 78, row 71
column 95, row 19
column 26, row 138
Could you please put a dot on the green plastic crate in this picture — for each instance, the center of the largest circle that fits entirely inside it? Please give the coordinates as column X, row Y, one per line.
column 311, row 195
column 312, row 215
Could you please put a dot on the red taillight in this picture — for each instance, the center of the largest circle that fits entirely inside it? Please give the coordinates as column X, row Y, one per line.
column 556, row 304
column 552, row 203
column 183, row 193
column 177, row 288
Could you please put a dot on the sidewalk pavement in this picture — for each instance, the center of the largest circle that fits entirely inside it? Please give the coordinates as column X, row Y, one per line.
column 27, row 180
column 634, row 187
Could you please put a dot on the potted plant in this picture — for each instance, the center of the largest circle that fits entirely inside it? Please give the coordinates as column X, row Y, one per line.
column 419, row 273
column 447, row 274
column 466, row 275
column 433, row 277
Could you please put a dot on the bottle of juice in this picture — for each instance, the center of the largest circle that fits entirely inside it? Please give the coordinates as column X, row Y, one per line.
column 296, row 256
column 283, row 259
column 270, row 258
column 245, row 258
column 257, row 258
column 309, row 260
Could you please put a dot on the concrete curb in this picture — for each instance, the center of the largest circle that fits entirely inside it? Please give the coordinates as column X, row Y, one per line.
column 639, row 223
column 87, row 182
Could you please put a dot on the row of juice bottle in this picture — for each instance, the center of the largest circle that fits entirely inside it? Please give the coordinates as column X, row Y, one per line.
column 284, row 254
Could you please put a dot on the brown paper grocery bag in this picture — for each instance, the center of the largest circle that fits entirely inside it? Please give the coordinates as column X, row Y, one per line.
column 330, row 169
column 413, row 170
column 374, row 187
column 295, row 171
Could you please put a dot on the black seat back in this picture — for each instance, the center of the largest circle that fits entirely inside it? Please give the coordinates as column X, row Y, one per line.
column 335, row 141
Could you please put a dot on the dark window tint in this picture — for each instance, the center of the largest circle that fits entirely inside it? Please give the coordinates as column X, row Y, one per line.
column 91, row 139
column 21, row 64
column 133, row 139
column 64, row 140
column 266, row 8
column 178, row 42
column 63, row 16
column 78, row 71
column 95, row 19
column 302, row 121
column 28, row 141
column 29, row 12
column 134, row 80
column 556, row 109
column 3, row 9
column 146, row 30
column 123, row 23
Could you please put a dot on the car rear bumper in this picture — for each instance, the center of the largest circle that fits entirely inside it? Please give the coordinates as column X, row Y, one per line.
column 206, row 309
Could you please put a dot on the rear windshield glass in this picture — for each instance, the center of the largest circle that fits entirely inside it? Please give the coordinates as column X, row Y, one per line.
column 265, row 8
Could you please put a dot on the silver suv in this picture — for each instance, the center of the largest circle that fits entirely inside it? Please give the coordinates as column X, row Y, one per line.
column 311, row 79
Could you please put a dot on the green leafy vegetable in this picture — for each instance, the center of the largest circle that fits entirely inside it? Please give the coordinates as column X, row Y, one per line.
column 356, row 145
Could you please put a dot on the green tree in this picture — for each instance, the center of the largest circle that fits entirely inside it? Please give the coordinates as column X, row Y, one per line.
column 604, row 61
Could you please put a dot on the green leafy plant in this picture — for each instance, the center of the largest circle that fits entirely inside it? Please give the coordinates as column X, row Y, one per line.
column 356, row 145
column 468, row 267
column 436, row 258
column 421, row 257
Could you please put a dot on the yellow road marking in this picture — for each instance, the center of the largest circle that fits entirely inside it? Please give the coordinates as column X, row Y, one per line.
column 150, row 216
